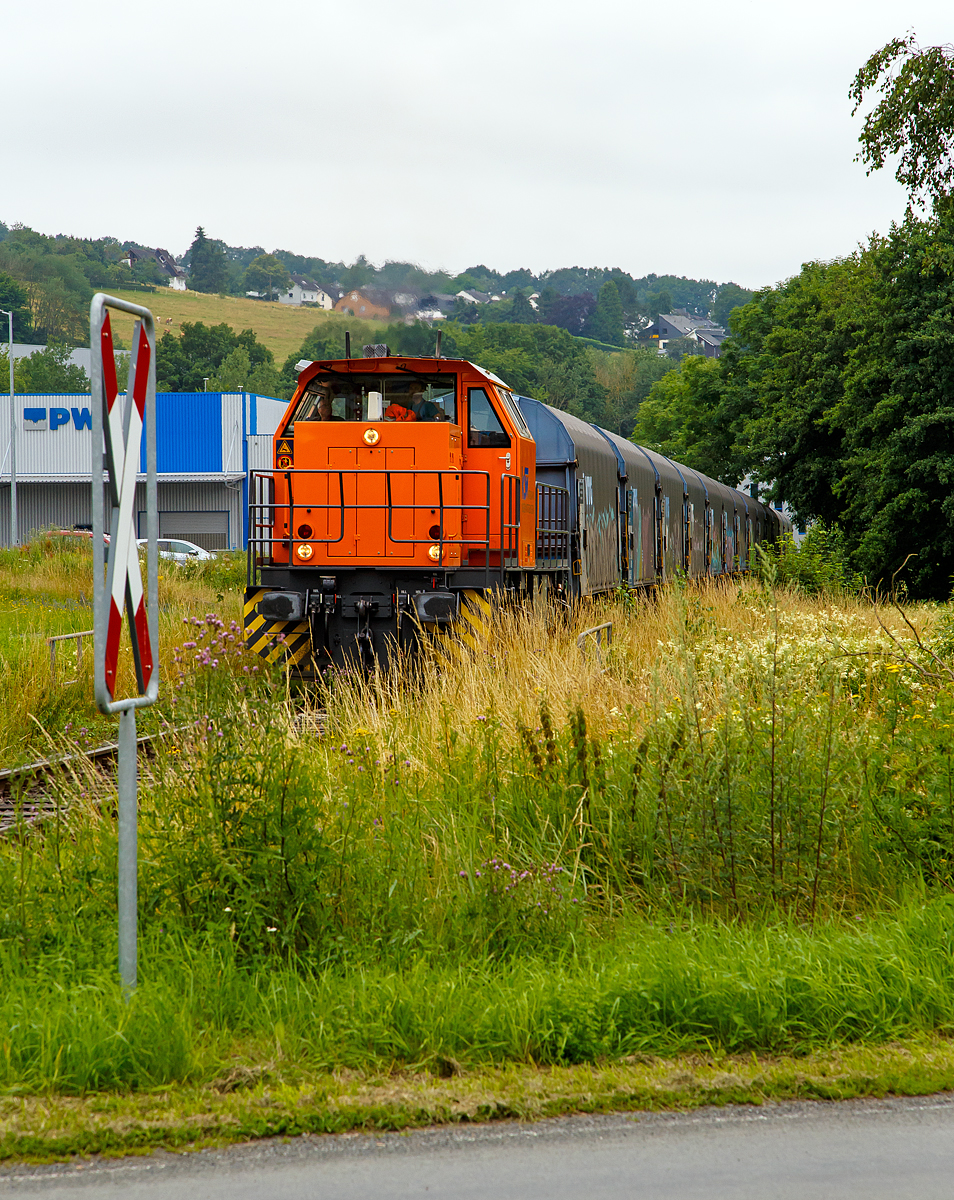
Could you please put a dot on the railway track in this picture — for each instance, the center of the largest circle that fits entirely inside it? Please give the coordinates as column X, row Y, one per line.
column 29, row 794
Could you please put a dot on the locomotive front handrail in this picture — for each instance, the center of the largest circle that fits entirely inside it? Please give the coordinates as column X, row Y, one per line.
column 263, row 515
column 510, row 528
column 552, row 507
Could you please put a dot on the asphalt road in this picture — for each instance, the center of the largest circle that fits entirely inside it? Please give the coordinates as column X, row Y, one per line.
column 859, row 1149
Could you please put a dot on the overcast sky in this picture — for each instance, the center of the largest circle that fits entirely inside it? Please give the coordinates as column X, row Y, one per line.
column 710, row 140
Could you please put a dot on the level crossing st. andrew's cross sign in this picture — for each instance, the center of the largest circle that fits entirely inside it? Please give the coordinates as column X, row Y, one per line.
column 118, row 425
column 122, row 420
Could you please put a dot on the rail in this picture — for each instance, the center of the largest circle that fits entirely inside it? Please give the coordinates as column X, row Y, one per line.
column 25, row 801
column 53, row 643
column 483, row 545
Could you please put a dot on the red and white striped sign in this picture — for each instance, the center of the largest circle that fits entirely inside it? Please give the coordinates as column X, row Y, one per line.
column 123, row 435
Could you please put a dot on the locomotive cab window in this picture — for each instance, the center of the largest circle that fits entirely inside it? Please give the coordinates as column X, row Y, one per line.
column 513, row 408
column 403, row 397
column 484, row 426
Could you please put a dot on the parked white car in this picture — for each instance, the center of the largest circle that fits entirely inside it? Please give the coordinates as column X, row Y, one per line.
column 177, row 550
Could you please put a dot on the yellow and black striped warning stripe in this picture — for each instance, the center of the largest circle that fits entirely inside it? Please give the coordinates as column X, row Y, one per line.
column 472, row 630
column 261, row 633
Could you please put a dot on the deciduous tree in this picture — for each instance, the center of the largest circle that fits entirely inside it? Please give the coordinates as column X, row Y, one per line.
column 913, row 118
column 13, row 298
column 268, row 276
column 730, row 297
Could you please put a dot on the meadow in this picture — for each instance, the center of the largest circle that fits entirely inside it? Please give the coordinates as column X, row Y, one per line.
column 280, row 327
column 731, row 833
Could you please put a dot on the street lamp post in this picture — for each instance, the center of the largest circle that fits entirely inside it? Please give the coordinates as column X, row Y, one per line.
column 14, row 539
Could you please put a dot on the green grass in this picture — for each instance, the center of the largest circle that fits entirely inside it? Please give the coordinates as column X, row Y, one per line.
column 730, row 835
column 262, row 1102
column 646, row 989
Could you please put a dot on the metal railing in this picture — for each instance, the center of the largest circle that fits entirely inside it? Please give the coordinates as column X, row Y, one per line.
column 265, row 511
column 553, row 527
column 53, row 643
column 597, row 632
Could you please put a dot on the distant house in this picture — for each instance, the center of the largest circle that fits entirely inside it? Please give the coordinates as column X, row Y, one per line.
column 676, row 325
column 435, row 306
column 163, row 260
column 698, row 329
column 711, row 341
column 361, row 304
column 472, row 296
column 305, row 291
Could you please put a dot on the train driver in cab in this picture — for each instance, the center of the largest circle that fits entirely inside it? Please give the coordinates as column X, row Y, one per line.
column 324, row 411
column 413, row 407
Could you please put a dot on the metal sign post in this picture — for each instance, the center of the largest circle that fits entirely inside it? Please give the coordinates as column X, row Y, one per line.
column 118, row 424
column 14, row 527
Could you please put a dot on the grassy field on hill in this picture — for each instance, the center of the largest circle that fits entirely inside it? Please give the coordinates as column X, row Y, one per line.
column 711, row 864
column 281, row 327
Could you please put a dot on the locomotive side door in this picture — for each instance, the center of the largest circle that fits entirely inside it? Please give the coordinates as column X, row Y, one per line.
column 488, row 448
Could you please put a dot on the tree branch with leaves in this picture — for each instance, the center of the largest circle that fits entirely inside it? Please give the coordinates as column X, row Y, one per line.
column 913, row 118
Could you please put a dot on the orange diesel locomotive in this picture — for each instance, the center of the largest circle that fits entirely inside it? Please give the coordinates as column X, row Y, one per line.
column 401, row 486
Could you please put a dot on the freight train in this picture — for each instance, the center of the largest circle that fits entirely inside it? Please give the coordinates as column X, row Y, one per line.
column 405, row 488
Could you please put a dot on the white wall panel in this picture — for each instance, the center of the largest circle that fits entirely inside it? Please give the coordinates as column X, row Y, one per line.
column 54, row 446
column 232, row 426
column 260, row 446
column 268, row 413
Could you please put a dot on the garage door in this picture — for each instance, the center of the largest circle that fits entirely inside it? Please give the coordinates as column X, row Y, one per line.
column 210, row 530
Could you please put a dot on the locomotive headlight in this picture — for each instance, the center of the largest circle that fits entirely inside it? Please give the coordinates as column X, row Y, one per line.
column 434, row 553
column 304, row 552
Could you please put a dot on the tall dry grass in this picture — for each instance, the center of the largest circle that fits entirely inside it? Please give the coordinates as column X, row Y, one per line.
column 697, row 637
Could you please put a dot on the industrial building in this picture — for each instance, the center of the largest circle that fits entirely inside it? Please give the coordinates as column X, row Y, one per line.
column 206, row 444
